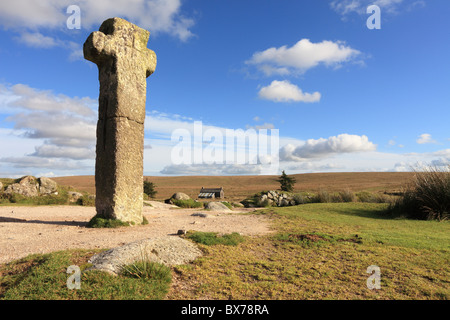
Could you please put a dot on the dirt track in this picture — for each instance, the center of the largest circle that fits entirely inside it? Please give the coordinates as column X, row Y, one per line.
column 43, row 229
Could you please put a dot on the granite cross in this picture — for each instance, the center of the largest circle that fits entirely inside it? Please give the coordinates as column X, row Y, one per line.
column 124, row 62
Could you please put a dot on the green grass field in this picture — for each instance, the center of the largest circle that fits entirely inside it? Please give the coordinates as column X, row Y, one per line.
column 316, row 251
column 322, row 251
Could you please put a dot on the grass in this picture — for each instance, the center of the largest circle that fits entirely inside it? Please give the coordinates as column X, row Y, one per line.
column 189, row 203
column 316, row 251
column 322, row 251
column 323, row 196
column 212, row 238
column 147, row 270
column 44, row 277
column 100, row 222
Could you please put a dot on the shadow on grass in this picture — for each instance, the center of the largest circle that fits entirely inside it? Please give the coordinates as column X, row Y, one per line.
column 382, row 214
column 354, row 209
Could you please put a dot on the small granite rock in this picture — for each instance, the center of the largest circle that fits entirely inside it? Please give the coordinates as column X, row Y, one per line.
column 180, row 196
column 47, row 186
column 216, row 206
column 168, row 250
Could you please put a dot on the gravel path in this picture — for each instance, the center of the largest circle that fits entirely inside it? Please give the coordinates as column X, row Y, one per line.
column 43, row 229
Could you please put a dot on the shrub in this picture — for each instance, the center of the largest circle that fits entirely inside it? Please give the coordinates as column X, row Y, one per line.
column 365, row 196
column 427, row 196
column 189, row 203
column 347, row 196
column 149, row 189
column 86, row 200
column 286, row 182
column 299, row 199
column 323, row 197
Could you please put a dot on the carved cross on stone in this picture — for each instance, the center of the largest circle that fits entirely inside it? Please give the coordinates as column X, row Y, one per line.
column 120, row 51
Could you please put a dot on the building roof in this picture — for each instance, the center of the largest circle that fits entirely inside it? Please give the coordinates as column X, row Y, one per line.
column 211, row 190
column 206, row 195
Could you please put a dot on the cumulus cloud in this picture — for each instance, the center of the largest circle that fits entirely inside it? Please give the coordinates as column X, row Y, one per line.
column 442, row 162
column 212, row 169
column 314, row 167
column 155, row 15
column 45, row 100
column 75, row 153
column 64, row 126
column 284, row 91
column 38, row 40
column 310, row 149
column 302, row 56
column 38, row 162
column 346, row 7
column 425, row 138
column 261, row 126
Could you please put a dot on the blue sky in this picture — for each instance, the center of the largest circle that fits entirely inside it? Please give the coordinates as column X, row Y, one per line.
column 343, row 97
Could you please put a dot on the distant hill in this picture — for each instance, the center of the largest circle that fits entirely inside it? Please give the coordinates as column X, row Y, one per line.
column 239, row 187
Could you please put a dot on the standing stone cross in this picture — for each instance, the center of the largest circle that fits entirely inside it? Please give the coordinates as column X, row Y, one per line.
column 120, row 51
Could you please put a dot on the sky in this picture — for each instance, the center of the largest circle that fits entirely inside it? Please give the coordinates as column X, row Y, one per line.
column 320, row 85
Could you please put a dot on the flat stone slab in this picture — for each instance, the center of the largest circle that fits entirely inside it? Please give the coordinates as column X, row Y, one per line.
column 168, row 250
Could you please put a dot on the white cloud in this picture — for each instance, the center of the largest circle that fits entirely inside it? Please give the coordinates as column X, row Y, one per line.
column 320, row 148
column 212, row 169
column 45, row 100
column 442, row 153
column 314, row 167
column 60, row 128
column 346, row 7
column 37, row 40
column 155, row 15
column 425, row 138
column 75, row 153
column 284, row 91
column 302, row 56
column 441, row 162
column 38, row 162
column 402, row 167
column 261, row 126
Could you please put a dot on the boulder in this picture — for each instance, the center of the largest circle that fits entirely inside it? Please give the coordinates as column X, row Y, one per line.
column 28, row 186
column 168, row 250
column 74, row 196
column 1, row 187
column 180, row 196
column 216, row 206
column 47, row 186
